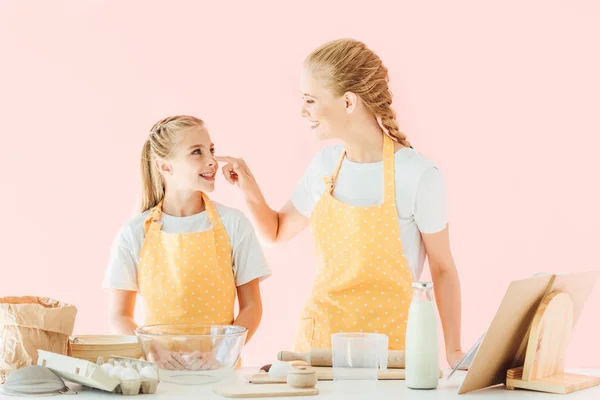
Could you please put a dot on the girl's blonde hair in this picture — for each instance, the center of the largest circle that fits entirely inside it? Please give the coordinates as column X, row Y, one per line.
column 348, row 65
column 160, row 143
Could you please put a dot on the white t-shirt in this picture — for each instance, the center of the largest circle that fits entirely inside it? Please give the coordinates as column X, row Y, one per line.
column 248, row 258
column 420, row 193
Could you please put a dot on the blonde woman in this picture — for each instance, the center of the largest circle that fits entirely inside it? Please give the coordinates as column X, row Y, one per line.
column 376, row 207
column 188, row 257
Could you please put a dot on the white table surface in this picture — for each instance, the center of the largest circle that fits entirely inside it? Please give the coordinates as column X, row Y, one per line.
column 396, row 390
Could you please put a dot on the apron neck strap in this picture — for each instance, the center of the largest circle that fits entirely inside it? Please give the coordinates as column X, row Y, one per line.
column 330, row 180
column 155, row 216
column 389, row 181
column 211, row 211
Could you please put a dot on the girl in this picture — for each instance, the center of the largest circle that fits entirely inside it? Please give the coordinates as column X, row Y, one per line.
column 186, row 256
column 375, row 206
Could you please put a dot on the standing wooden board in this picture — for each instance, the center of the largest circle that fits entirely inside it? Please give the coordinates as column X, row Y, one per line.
column 499, row 349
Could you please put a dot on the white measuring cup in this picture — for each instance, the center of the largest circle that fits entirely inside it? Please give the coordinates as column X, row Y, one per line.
column 358, row 356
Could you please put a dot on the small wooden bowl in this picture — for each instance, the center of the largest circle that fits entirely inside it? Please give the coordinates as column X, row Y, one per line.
column 91, row 347
column 302, row 377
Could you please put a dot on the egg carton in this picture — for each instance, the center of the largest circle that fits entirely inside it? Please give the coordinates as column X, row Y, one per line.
column 93, row 375
column 141, row 384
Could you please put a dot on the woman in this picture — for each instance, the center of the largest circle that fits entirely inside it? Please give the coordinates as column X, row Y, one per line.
column 188, row 257
column 376, row 207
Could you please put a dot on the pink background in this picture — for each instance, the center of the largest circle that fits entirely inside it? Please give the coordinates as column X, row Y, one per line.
column 504, row 97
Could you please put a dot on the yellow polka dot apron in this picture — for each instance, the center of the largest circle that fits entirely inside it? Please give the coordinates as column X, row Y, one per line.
column 363, row 282
column 187, row 277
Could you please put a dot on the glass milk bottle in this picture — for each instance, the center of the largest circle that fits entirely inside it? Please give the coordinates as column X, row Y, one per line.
column 422, row 364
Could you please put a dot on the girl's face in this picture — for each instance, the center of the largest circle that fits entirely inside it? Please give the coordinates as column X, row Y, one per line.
column 191, row 165
column 326, row 113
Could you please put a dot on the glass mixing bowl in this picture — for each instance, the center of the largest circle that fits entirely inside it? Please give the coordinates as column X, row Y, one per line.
column 192, row 354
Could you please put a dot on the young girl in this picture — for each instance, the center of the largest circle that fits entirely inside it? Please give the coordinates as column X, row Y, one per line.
column 376, row 207
column 187, row 256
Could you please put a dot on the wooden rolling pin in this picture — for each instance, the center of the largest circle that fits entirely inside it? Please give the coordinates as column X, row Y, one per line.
column 322, row 357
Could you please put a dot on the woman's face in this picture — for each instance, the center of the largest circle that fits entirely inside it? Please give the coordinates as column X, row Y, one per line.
column 326, row 113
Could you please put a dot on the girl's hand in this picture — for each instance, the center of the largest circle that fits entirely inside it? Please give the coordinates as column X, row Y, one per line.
column 166, row 359
column 203, row 361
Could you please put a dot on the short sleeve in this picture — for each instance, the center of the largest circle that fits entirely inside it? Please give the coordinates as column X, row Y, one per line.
column 121, row 272
column 249, row 261
column 305, row 195
column 431, row 214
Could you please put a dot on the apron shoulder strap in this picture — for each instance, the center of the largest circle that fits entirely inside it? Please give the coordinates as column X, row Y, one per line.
column 211, row 211
column 154, row 216
column 330, row 180
column 389, row 165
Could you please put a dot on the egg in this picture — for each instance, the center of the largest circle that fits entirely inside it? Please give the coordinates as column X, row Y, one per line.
column 116, row 371
column 107, row 367
column 149, row 373
column 129, row 374
column 279, row 370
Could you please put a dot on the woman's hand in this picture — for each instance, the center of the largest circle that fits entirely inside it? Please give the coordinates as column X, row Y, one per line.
column 272, row 226
column 236, row 172
column 454, row 358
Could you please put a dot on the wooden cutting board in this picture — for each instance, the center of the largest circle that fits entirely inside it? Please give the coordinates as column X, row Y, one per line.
column 247, row 390
column 326, row 374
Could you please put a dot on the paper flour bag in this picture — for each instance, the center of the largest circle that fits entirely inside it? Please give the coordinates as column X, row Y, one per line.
column 30, row 323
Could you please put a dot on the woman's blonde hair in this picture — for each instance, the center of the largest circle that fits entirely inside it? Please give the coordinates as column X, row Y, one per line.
column 348, row 65
column 160, row 143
